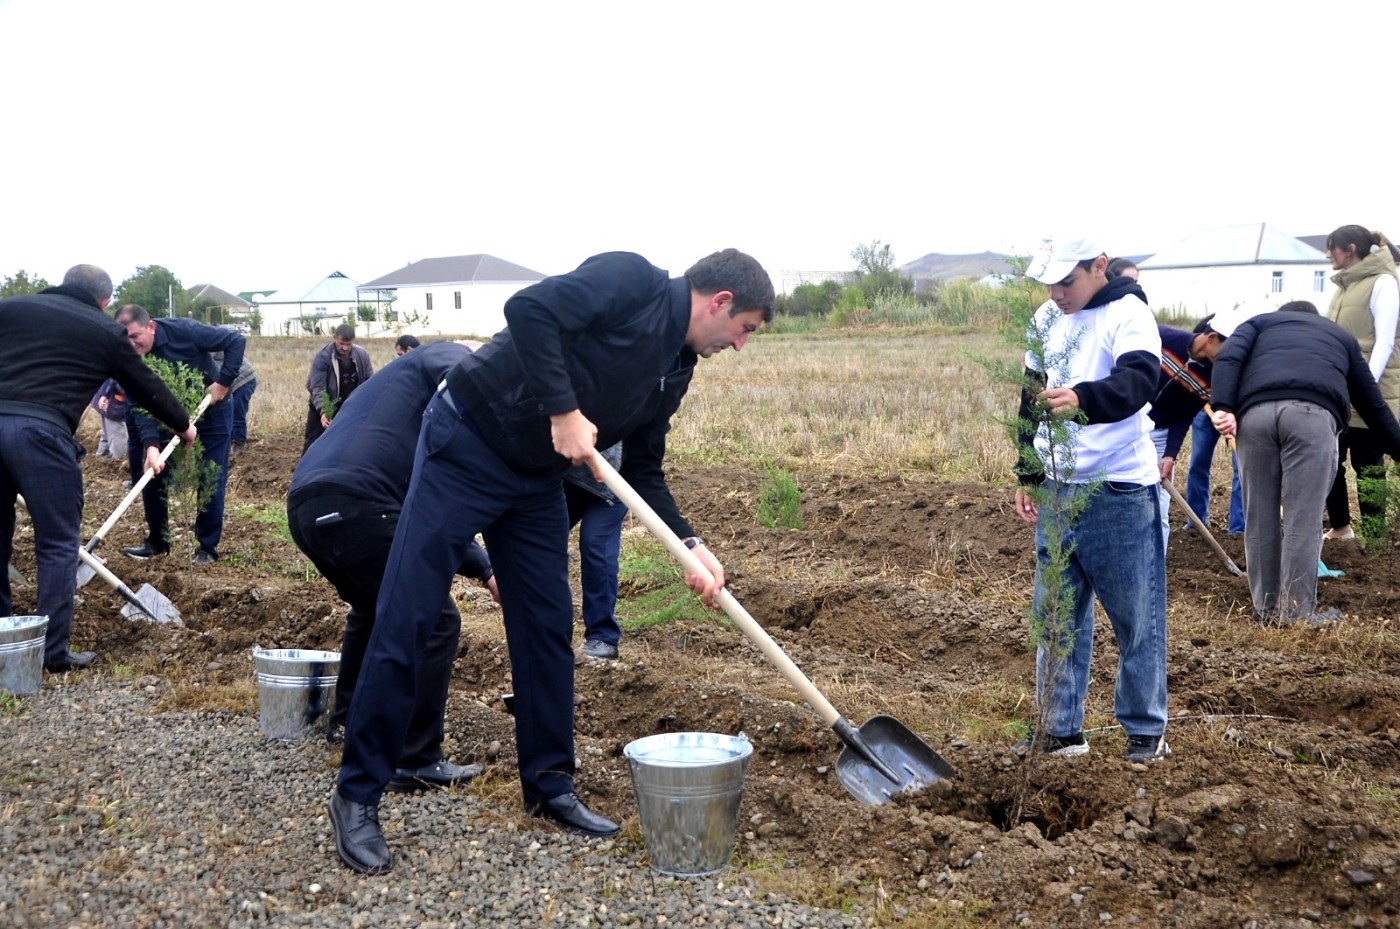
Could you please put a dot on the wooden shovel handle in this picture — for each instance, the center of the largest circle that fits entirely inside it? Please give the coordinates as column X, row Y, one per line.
column 732, row 608
column 1229, row 439
column 136, row 488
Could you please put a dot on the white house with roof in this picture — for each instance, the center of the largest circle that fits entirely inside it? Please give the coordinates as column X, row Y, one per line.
column 313, row 308
column 1219, row 268
column 458, row 295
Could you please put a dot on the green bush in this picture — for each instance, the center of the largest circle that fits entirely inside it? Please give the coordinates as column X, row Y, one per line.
column 851, row 309
column 810, row 299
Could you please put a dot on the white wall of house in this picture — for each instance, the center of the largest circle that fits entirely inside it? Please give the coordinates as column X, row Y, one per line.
column 476, row 309
column 276, row 316
column 1200, row 291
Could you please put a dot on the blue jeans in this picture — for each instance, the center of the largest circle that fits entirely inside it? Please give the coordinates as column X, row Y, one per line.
column 1203, row 439
column 1112, row 553
column 240, row 400
column 599, row 543
column 1164, row 499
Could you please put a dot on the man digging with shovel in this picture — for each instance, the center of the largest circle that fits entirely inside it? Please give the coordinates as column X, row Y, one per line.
column 600, row 355
column 59, row 347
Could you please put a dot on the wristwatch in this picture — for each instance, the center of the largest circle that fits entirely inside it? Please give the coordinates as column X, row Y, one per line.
column 693, row 542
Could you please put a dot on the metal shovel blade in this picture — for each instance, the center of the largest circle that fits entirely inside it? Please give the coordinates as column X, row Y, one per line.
column 15, row 576
column 149, row 603
column 914, row 765
column 86, row 573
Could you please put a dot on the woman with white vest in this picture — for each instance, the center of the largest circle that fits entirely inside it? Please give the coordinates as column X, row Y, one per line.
column 1367, row 305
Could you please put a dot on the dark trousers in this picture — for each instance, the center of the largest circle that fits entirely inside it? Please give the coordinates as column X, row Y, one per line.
column 240, row 399
column 1368, row 461
column 39, row 460
column 461, row 487
column 599, row 543
column 313, row 427
column 349, row 546
column 214, row 427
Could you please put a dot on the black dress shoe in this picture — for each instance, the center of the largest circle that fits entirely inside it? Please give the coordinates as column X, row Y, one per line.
column 567, row 810
column 358, row 839
column 204, row 556
column 71, row 661
column 145, row 550
column 335, row 735
column 441, row 773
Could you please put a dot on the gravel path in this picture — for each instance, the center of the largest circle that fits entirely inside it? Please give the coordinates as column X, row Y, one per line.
column 114, row 815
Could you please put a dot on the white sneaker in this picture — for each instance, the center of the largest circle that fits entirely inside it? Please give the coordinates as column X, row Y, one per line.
column 1344, row 534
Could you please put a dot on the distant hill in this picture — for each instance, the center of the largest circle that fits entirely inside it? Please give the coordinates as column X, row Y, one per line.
column 944, row 267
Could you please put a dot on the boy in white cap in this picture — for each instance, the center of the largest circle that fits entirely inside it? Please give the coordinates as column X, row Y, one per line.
column 1094, row 363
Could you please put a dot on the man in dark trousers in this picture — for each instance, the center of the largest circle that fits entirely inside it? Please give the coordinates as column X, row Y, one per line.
column 337, row 370
column 59, row 347
column 587, row 359
column 343, row 507
column 192, row 343
column 1283, row 385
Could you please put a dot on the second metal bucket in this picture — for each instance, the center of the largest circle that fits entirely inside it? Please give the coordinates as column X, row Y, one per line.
column 296, row 690
column 688, row 786
column 22, row 653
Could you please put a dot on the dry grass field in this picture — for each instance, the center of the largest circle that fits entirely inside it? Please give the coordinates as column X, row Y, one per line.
column 881, row 400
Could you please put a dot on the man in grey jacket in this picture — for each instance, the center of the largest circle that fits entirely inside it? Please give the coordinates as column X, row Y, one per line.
column 336, row 371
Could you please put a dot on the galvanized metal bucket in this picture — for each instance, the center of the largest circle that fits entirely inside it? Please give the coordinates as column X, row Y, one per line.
column 22, row 653
column 296, row 690
column 688, row 786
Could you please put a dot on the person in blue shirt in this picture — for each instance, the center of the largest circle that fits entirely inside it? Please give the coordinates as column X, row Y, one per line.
column 192, row 343
column 1183, row 387
column 1203, row 441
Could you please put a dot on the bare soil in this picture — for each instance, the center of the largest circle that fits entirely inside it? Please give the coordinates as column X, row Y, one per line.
column 1280, row 804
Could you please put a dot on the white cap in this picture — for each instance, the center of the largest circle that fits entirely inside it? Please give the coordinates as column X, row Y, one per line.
column 1055, row 259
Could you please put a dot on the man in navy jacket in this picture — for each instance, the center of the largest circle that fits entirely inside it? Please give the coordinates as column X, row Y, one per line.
column 599, row 355
column 192, row 343
column 59, row 347
column 342, row 509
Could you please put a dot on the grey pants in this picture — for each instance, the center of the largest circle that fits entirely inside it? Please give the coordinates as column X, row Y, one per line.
column 1288, row 457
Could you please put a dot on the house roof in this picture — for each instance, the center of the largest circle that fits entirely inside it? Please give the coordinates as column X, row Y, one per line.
column 333, row 288
column 1246, row 244
column 459, row 269
column 218, row 296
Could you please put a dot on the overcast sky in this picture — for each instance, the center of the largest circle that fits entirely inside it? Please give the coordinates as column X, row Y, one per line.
column 265, row 143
